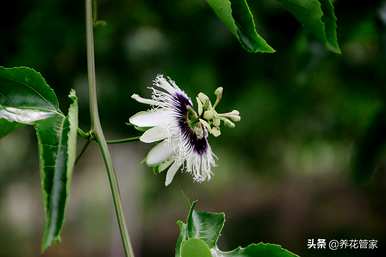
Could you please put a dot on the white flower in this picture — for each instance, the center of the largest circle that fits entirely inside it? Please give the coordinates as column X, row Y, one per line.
column 182, row 144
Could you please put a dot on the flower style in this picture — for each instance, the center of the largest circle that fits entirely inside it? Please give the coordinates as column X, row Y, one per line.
column 182, row 132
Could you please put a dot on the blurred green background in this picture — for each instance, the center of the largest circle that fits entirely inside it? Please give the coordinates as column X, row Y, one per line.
column 310, row 119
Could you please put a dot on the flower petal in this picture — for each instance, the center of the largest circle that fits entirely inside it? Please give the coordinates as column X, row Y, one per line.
column 154, row 134
column 149, row 118
column 164, row 165
column 159, row 153
column 172, row 172
column 163, row 83
column 140, row 99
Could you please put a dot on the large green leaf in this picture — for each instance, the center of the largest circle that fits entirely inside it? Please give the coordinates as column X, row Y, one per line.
column 318, row 18
column 205, row 228
column 25, row 98
column 237, row 17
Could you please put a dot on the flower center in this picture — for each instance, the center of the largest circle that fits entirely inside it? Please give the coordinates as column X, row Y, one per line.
column 191, row 128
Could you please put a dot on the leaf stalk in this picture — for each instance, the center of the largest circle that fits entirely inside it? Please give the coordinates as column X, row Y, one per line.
column 122, row 140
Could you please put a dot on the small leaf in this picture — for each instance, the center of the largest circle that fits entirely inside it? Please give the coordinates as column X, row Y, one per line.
column 318, row 18
column 237, row 17
column 25, row 98
column 205, row 225
column 205, row 228
column 195, row 248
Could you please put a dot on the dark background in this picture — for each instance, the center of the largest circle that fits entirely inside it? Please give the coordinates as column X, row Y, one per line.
column 310, row 120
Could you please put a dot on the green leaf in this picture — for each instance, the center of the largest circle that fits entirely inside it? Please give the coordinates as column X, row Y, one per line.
column 6, row 127
column 205, row 225
column 183, row 236
column 195, row 248
column 57, row 149
column 25, row 98
column 257, row 250
column 237, row 17
column 205, row 228
column 330, row 19
column 318, row 18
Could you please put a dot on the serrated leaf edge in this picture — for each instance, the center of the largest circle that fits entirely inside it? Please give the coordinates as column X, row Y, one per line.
column 69, row 168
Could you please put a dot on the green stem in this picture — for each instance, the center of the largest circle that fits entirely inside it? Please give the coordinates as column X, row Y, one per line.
column 123, row 140
column 98, row 132
column 110, row 142
column 83, row 134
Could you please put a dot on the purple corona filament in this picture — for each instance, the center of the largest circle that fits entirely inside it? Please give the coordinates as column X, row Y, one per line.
column 199, row 145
